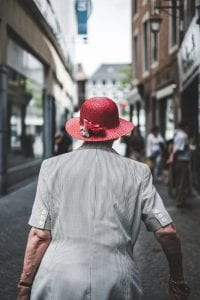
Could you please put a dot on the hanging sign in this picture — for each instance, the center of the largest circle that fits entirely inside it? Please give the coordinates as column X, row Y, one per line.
column 82, row 8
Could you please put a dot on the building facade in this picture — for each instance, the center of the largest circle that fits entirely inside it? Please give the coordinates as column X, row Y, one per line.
column 165, row 69
column 155, row 67
column 37, row 86
column 189, row 76
column 107, row 81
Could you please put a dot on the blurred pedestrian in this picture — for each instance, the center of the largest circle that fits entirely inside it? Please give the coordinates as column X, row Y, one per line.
column 27, row 142
column 154, row 150
column 63, row 142
column 180, row 158
column 135, row 145
column 86, row 218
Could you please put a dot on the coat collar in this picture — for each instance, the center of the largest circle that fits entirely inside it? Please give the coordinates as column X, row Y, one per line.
column 97, row 145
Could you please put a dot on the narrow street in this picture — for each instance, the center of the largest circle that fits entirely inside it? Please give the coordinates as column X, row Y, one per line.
column 94, row 70
column 15, row 209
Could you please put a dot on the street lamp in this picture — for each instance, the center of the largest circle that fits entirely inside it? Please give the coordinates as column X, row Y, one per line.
column 198, row 11
column 155, row 22
column 156, row 19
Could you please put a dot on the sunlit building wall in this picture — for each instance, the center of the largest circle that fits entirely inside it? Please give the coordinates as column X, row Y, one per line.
column 37, row 86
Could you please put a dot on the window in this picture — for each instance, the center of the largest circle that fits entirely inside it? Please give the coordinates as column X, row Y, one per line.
column 173, row 25
column 104, row 82
column 135, row 56
column 135, row 7
column 25, row 141
column 145, row 46
column 94, row 82
column 154, row 8
column 190, row 10
column 113, row 81
column 154, row 45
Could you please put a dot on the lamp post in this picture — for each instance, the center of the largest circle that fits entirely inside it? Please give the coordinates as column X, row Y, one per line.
column 173, row 5
column 155, row 22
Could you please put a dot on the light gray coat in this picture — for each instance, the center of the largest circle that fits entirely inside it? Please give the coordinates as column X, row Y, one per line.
column 93, row 201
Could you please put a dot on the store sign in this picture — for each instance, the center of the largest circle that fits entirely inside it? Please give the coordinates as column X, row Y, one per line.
column 82, row 8
column 189, row 55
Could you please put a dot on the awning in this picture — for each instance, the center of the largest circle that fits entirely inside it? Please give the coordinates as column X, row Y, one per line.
column 166, row 91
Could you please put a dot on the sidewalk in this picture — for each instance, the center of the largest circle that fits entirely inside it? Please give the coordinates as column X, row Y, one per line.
column 15, row 209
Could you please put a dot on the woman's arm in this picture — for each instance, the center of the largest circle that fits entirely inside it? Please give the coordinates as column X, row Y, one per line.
column 38, row 242
column 170, row 242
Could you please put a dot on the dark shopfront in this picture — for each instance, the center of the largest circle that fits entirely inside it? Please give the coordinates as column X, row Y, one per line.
column 24, row 114
column 190, row 114
column 189, row 67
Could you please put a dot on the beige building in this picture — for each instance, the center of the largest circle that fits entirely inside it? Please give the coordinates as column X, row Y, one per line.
column 37, row 87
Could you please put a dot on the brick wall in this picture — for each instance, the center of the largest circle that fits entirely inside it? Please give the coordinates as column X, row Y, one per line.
column 161, row 73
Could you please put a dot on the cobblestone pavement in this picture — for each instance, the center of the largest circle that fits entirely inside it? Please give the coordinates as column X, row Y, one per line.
column 14, row 213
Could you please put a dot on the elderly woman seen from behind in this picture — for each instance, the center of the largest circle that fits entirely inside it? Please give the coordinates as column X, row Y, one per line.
column 87, row 214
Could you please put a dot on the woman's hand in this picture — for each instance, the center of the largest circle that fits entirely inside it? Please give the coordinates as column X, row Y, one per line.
column 23, row 292
column 179, row 291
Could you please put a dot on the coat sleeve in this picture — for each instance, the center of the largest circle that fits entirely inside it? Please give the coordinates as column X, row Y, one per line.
column 154, row 213
column 40, row 216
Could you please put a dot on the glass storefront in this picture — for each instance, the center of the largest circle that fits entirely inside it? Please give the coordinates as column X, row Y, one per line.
column 25, row 116
column 63, row 107
column 25, row 105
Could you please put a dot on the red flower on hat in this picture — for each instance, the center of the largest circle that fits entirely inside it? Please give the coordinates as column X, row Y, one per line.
column 90, row 129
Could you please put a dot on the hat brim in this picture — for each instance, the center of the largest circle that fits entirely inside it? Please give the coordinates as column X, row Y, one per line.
column 72, row 126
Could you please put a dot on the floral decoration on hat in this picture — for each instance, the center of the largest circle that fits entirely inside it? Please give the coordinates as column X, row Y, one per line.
column 90, row 129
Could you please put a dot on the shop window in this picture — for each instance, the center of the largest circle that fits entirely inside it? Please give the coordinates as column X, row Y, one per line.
column 63, row 106
column 24, row 63
column 25, row 115
column 173, row 28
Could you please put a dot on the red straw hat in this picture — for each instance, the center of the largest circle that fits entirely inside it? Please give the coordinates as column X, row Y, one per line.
column 99, row 121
